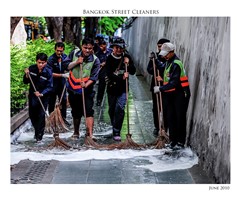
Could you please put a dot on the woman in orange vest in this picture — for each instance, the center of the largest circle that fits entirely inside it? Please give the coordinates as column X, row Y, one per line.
column 176, row 90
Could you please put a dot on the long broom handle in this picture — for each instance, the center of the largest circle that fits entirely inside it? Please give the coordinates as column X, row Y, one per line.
column 160, row 98
column 64, row 88
column 83, row 97
column 36, row 91
column 157, row 97
column 127, row 100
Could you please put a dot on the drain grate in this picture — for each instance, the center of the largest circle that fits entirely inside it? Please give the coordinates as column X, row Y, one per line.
column 35, row 173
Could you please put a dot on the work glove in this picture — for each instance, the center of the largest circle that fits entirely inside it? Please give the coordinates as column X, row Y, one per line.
column 66, row 75
column 156, row 89
column 152, row 55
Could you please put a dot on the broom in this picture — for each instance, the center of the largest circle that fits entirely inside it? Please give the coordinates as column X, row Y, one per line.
column 88, row 139
column 56, row 117
column 52, row 124
column 162, row 135
column 128, row 142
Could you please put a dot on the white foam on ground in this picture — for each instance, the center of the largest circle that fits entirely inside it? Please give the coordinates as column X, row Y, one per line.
column 157, row 159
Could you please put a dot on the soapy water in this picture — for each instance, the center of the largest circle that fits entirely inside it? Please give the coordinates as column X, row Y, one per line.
column 158, row 160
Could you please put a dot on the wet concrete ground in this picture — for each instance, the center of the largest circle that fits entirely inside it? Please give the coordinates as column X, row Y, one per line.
column 112, row 171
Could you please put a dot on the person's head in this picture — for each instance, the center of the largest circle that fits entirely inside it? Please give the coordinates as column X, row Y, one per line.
column 118, row 46
column 59, row 48
column 161, row 42
column 103, row 45
column 167, row 50
column 41, row 60
column 98, row 38
column 87, row 47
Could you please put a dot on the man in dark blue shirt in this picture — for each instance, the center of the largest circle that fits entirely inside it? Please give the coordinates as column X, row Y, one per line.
column 39, row 91
column 102, row 54
column 59, row 81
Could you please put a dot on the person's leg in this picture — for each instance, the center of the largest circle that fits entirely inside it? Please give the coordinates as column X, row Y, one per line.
column 165, row 110
column 63, row 102
column 155, row 114
column 75, row 102
column 33, row 115
column 119, row 115
column 180, row 118
column 111, row 107
column 171, row 118
column 101, row 90
column 41, row 123
column 52, row 102
column 89, row 114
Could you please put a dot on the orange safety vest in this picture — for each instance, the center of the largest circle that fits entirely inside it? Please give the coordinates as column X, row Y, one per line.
column 74, row 79
column 183, row 76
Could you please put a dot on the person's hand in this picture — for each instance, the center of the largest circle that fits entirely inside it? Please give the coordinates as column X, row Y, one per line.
column 80, row 60
column 159, row 78
column 102, row 64
column 156, row 89
column 66, row 75
column 26, row 72
column 38, row 94
column 83, row 84
column 126, row 60
column 152, row 55
column 125, row 75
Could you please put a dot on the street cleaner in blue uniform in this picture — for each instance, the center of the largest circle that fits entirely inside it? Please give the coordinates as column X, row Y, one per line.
column 42, row 79
column 84, row 68
column 59, row 80
column 176, row 90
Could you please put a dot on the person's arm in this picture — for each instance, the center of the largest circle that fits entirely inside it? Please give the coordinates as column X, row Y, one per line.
column 110, row 70
column 49, row 85
column 26, row 79
column 68, row 60
column 94, row 74
column 131, row 67
column 174, row 78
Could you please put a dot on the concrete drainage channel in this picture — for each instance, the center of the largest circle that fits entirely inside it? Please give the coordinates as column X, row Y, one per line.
column 18, row 119
column 33, row 172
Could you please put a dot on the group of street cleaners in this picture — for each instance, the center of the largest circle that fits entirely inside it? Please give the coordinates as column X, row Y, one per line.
column 73, row 76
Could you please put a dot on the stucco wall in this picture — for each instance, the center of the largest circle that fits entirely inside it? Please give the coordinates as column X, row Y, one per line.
column 203, row 43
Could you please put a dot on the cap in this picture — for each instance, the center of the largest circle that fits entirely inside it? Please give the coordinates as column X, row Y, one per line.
column 166, row 48
column 119, row 42
column 163, row 40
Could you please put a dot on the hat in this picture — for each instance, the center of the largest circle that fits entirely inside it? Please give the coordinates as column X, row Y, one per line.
column 163, row 40
column 119, row 42
column 166, row 48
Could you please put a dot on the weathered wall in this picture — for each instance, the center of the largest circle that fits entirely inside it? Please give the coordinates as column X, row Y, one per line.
column 203, row 43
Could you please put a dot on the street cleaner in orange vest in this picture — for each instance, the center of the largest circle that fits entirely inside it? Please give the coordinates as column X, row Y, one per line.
column 84, row 68
column 176, row 89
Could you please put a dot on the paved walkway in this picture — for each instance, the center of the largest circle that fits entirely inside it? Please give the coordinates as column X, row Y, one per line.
column 113, row 171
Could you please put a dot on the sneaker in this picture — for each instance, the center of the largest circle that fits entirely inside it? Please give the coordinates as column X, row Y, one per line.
column 171, row 145
column 178, row 146
column 39, row 142
column 117, row 138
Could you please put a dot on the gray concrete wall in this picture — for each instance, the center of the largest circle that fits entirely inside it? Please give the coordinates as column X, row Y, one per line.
column 203, row 43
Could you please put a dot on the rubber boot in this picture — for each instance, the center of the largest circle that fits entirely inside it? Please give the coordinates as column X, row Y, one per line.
column 76, row 125
column 89, row 128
